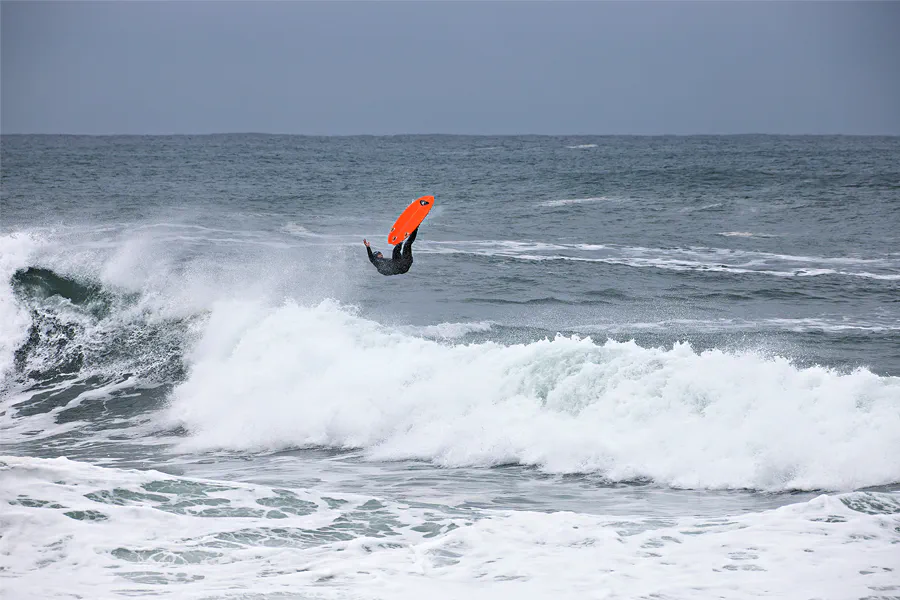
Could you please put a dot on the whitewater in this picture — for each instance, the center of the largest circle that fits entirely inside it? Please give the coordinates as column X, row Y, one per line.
column 588, row 395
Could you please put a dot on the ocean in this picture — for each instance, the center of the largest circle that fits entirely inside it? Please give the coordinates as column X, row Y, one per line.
column 620, row 367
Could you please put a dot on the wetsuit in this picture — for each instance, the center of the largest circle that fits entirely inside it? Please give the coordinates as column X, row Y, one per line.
column 401, row 259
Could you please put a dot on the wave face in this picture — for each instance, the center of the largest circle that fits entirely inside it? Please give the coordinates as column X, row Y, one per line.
column 84, row 359
column 296, row 376
column 80, row 328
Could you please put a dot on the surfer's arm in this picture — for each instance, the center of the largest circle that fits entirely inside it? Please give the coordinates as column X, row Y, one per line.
column 371, row 256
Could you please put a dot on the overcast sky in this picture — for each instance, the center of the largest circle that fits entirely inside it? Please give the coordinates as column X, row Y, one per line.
column 450, row 67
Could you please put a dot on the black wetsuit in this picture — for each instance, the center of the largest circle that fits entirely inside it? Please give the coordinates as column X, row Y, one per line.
column 400, row 261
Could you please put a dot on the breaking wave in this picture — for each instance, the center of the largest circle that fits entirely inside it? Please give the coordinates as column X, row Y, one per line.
column 250, row 374
column 298, row 376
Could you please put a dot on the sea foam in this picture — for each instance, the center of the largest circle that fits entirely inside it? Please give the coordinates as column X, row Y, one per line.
column 82, row 530
column 15, row 251
column 268, row 378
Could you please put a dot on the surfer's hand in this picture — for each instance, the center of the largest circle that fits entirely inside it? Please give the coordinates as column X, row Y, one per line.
column 366, row 243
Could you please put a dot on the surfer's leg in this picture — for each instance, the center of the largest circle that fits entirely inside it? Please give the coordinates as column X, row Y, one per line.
column 407, row 247
column 397, row 252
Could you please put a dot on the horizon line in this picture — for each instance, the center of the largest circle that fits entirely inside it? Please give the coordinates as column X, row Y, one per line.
column 437, row 134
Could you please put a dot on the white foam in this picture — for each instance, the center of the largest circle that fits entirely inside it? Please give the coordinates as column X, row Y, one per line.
column 569, row 201
column 711, row 206
column 797, row 551
column 581, row 146
column 450, row 331
column 673, row 264
column 44, row 425
column 61, row 533
column 830, row 325
column 297, row 376
column 800, row 325
column 15, row 251
column 746, row 234
column 298, row 230
column 699, row 258
column 73, row 530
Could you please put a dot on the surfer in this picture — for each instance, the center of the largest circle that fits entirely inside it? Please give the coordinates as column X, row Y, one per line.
column 401, row 259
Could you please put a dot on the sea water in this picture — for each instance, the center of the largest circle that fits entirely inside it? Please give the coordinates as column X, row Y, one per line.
column 620, row 367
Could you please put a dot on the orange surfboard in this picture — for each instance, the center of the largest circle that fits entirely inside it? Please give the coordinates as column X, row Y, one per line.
column 409, row 219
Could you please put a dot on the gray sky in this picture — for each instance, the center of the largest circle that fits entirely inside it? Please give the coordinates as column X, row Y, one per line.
column 450, row 67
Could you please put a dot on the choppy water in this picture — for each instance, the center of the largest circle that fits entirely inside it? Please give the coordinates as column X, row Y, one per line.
column 619, row 368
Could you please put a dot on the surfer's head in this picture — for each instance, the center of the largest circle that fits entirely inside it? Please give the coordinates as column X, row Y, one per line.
column 379, row 255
